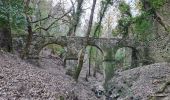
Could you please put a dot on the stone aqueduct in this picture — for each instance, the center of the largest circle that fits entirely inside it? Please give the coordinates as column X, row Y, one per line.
column 74, row 44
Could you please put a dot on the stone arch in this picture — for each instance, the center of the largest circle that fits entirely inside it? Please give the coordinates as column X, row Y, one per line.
column 99, row 48
column 52, row 46
column 47, row 44
column 90, row 70
column 48, row 51
column 132, row 54
column 40, row 42
column 123, row 57
column 34, row 55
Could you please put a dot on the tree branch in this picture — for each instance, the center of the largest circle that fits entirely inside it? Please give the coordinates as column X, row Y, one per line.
column 41, row 19
column 160, row 20
column 57, row 19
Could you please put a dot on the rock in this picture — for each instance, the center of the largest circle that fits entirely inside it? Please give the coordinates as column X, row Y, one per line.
column 142, row 82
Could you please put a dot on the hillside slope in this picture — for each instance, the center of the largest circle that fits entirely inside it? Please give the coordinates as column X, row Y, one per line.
column 142, row 83
column 20, row 80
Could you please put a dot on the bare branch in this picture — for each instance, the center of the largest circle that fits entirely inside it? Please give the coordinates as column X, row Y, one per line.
column 102, row 13
column 91, row 19
column 57, row 19
column 76, row 18
column 41, row 19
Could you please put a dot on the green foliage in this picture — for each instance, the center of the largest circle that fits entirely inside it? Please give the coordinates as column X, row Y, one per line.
column 123, row 25
column 56, row 49
column 120, row 55
column 142, row 26
column 124, row 8
column 14, row 10
column 106, row 2
column 11, row 13
column 156, row 4
column 115, row 33
column 125, row 21
column 98, row 32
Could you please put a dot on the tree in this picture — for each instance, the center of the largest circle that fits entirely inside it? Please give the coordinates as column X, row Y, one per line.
column 76, row 18
column 11, row 18
column 29, row 28
column 35, row 25
column 97, row 32
column 82, row 52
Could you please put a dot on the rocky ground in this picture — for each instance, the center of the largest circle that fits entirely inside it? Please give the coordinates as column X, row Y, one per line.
column 142, row 83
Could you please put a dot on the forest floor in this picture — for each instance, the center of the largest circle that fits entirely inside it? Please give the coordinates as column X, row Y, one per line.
column 20, row 80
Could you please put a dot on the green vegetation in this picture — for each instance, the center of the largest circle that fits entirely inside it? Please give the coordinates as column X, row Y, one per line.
column 156, row 4
column 125, row 21
column 142, row 27
column 56, row 49
column 12, row 13
column 120, row 54
column 35, row 21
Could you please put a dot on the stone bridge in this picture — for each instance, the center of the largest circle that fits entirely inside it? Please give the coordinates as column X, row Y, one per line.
column 74, row 44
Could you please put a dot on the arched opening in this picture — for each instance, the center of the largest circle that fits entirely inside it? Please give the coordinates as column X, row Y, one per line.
column 52, row 49
column 94, row 59
column 123, row 58
column 54, row 53
column 127, row 57
column 92, row 62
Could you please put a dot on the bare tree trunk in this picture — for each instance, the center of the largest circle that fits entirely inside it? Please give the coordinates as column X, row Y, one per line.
column 96, row 31
column 30, row 32
column 82, row 53
column 91, row 19
column 29, row 40
column 102, row 13
column 90, row 61
column 76, row 19
column 80, row 64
